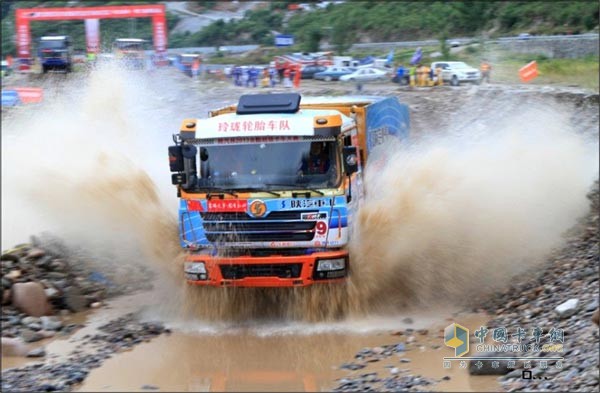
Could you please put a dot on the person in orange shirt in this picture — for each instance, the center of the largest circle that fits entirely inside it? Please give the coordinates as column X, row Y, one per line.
column 485, row 69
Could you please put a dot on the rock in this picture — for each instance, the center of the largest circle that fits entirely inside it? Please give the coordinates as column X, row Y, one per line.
column 596, row 317
column 29, row 320
column 404, row 360
column 13, row 274
column 30, row 336
column 567, row 308
column 400, row 347
column 5, row 297
column 394, row 371
column 37, row 353
column 74, row 299
column 410, row 339
column 149, row 387
column 35, row 253
column 96, row 305
column 592, row 306
column 423, row 332
column 52, row 293
column 51, row 323
column 30, row 298
column 35, row 326
column 407, row 320
column 47, row 334
column 9, row 257
column 13, row 347
column 378, row 350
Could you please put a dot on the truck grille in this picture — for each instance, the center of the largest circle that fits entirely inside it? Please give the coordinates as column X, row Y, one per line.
column 240, row 227
column 281, row 270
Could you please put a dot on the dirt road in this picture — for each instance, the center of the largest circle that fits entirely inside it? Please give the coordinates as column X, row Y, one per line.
column 89, row 123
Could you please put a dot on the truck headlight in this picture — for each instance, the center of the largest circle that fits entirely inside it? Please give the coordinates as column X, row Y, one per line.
column 331, row 264
column 194, row 267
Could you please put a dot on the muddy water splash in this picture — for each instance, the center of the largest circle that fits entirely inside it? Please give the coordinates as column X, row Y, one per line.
column 444, row 218
column 450, row 218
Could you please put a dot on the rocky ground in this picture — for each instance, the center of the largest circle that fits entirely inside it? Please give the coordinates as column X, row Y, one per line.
column 44, row 283
column 562, row 294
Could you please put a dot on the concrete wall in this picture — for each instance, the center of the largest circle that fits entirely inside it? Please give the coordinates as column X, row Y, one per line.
column 563, row 47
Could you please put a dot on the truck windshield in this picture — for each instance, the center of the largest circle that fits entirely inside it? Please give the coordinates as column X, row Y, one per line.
column 53, row 44
column 272, row 166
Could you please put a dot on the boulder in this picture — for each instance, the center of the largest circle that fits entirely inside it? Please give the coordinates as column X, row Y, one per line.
column 568, row 308
column 74, row 299
column 14, row 347
column 596, row 317
column 30, row 298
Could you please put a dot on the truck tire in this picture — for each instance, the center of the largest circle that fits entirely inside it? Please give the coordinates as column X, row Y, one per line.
column 44, row 69
column 454, row 81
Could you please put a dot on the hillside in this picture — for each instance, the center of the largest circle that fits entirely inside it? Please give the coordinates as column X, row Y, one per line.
column 339, row 23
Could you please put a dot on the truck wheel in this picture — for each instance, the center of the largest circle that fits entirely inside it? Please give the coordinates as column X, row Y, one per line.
column 454, row 81
column 327, row 79
column 44, row 69
column 68, row 68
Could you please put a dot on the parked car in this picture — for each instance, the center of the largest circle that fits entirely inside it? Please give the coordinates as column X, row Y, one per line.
column 457, row 72
column 365, row 75
column 333, row 73
column 309, row 71
column 524, row 36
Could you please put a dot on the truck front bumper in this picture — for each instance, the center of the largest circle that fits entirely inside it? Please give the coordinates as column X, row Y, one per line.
column 270, row 271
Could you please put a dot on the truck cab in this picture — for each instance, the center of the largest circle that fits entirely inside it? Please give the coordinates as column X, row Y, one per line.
column 130, row 52
column 267, row 188
column 55, row 53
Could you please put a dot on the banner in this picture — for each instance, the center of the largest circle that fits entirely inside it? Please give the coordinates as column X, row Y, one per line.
column 92, row 35
column 528, row 72
column 23, row 16
column 416, row 57
column 28, row 95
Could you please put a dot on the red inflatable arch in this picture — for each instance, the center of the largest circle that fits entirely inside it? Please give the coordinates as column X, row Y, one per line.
column 91, row 14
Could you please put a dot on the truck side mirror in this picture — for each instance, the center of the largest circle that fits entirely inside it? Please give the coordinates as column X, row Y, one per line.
column 175, row 158
column 350, row 160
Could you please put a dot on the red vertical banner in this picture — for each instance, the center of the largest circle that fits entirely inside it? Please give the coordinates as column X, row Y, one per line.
column 92, row 35
column 23, row 40
column 160, row 33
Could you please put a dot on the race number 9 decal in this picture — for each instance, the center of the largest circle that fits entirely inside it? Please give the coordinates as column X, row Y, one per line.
column 321, row 227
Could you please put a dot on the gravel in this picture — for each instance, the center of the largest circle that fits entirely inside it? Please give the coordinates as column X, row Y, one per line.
column 113, row 337
column 563, row 294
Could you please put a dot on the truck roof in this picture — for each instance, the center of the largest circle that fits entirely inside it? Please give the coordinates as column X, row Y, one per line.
column 340, row 100
column 130, row 40
column 54, row 37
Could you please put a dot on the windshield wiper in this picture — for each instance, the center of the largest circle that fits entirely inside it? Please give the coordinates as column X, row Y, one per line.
column 220, row 192
column 256, row 189
column 296, row 187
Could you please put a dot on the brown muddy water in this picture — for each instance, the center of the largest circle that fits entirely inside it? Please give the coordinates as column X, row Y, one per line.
column 276, row 356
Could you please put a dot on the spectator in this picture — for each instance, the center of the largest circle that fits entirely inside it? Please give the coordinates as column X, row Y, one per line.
column 286, row 78
column 485, row 69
